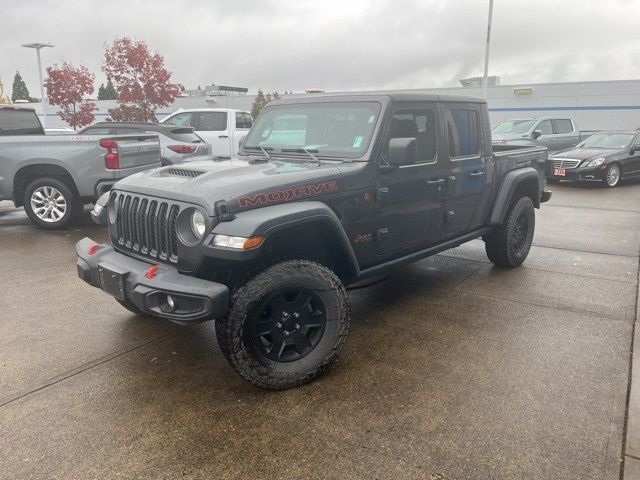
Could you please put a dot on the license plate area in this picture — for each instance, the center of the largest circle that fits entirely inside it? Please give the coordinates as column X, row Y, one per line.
column 112, row 280
column 559, row 172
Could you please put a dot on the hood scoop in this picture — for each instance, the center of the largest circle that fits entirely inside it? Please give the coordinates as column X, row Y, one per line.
column 180, row 172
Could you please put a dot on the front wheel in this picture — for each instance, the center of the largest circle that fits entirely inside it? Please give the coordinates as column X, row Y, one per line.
column 509, row 245
column 612, row 175
column 50, row 203
column 286, row 325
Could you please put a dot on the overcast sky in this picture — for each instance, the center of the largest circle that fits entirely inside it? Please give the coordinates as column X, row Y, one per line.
column 333, row 45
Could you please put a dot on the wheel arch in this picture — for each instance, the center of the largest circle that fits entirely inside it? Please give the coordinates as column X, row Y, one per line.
column 305, row 230
column 28, row 173
column 524, row 182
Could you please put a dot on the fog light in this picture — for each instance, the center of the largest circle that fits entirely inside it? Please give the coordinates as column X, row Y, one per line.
column 171, row 303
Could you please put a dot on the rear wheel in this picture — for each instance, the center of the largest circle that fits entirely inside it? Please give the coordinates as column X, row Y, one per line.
column 612, row 176
column 509, row 244
column 286, row 325
column 50, row 203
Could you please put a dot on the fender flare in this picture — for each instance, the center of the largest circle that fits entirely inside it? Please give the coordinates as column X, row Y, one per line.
column 507, row 188
column 266, row 221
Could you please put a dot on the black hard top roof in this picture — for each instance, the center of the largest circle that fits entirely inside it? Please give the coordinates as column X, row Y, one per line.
column 380, row 96
column 16, row 107
column 147, row 125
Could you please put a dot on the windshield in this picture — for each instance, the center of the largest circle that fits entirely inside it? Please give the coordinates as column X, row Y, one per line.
column 341, row 129
column 607, row 140
column 514, row 126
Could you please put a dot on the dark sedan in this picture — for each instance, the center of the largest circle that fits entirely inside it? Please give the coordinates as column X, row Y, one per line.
column 604, row 156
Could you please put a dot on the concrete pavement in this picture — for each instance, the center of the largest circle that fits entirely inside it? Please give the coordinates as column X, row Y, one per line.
column 454, row 369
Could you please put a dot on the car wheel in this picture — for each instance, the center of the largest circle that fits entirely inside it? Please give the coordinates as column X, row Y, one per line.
column 50, row 203
column 286, row 325
column 509, row 245
column 612, row 176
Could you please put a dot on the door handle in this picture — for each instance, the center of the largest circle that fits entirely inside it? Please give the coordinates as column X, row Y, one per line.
column 223, row 136
column 476, row 174
column 436, row 181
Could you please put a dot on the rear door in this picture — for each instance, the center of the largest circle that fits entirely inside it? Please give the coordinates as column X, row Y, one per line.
column 409, row 197
column 213, row 127
column 631, row 166
column 469, row 164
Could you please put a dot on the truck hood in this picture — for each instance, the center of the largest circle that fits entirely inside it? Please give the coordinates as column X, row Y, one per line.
column 244, row 183
column 585, row 153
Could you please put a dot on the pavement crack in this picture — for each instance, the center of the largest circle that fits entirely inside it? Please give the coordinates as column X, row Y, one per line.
column 82, row 368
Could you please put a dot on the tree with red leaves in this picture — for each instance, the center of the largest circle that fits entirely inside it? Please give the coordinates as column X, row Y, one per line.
column 139, row 76
column 66, row 86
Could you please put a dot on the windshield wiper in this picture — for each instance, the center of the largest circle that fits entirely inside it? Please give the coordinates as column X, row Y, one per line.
column 265, row 150
column 308, row 151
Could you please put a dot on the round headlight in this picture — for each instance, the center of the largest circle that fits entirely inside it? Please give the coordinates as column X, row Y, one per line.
column 198, row 224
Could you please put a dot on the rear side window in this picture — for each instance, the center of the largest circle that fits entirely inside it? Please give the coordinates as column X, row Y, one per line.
column 187, row 137
column 562, row 125
column 19, row 122
column 419, row 124
column 463, row 132
column 213, row 121
column 243, row 120
column 97, row 131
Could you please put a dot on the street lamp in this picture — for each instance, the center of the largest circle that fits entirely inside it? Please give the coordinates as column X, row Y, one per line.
column 37, row 46
column 486, row 52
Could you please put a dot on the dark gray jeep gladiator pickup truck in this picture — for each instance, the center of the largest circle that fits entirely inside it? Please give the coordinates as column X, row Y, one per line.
column 326, row 192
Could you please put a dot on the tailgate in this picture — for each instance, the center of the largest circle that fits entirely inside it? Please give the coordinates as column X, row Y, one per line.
column 138, row 150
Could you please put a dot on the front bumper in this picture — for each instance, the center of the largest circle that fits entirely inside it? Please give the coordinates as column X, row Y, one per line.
column 580, row 173
column 195, row 300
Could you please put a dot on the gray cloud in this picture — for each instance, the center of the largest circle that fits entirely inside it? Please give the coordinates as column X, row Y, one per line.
column 335, row 45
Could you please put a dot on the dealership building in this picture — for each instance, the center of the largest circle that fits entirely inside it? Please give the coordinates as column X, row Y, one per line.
column 599, row 105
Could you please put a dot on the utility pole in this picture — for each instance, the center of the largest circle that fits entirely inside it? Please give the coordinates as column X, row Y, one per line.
column 38, row 46
column 486, row 52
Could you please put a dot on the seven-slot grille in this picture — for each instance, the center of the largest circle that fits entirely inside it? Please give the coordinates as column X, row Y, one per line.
column 179, row 172
column 565, row 163
column 147, row 226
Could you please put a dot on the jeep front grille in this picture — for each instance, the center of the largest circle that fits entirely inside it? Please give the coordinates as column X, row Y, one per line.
column 565, row 163
column 147, row 226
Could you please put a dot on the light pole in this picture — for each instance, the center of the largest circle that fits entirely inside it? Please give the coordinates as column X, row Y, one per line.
column 37, row 46
column 486, row 52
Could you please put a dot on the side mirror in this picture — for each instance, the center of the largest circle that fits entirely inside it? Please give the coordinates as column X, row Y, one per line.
column 633, row 150
column 402, row 151
column 536, row 134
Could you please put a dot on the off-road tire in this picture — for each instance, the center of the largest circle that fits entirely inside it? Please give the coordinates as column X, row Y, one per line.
column 73, row 206
column 250, row 361
column 502, row 245
column 131, row 307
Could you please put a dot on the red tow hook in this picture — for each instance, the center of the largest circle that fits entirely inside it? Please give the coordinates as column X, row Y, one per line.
column 93, row 248
column 151, row 272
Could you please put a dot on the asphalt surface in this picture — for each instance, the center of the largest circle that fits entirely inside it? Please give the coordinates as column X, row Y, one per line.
column 454, row 369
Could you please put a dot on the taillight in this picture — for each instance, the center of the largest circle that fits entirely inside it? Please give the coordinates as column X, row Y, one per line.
column 111, row 159
column 182, row 148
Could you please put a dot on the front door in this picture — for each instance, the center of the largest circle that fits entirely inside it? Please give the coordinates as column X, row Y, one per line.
column 409, row 197
column 467, row 195
column 631, row 165
column 213, row 128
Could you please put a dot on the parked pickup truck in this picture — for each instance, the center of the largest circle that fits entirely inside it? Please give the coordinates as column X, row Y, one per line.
column 53, row 176
column 222, row 128
column 327, row 192
column 555, row 133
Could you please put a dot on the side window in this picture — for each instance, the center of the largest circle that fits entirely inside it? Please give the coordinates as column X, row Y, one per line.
column 562, row 125
column 213, row 121
column 545, row 127
column 97, row 131
column 463, row 132
column 636, row 144
column 242, row 121
column 248, row 120
column 419, row 124
column 182, row 120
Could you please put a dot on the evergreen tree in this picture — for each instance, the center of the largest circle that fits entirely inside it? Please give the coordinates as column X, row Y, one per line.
column 20, row 91
column 110, row 91
column 258, row 104
column 101, row 93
